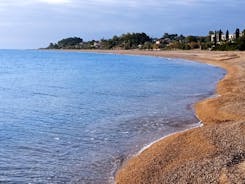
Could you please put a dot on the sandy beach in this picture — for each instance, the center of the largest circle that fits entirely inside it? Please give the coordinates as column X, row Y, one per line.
column 213, row 153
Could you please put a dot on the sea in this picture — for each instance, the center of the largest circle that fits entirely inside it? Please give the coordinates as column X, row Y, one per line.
column 75, row 117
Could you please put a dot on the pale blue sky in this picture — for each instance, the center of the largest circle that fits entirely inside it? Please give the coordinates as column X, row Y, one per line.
column 36, row 23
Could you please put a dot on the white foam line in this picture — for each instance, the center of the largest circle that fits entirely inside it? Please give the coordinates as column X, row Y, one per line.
column 199, row 125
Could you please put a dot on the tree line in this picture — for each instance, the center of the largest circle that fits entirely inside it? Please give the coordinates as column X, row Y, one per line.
column 216, row 40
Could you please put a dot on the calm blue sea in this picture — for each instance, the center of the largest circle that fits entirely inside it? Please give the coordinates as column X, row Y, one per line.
column 69, row 117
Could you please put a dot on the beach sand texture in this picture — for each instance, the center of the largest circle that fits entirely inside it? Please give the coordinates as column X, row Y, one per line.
column 214, row 153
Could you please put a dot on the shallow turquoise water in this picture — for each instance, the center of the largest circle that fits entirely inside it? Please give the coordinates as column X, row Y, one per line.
column 68, row 117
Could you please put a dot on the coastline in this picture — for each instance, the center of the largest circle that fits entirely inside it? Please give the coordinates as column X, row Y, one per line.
column 156, row 164
column 213, row 153
column 164, row 137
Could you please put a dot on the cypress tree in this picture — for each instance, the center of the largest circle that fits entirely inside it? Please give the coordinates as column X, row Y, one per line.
column 215, row 38
column 220, row 35
column 237, row 33
column 227, row 35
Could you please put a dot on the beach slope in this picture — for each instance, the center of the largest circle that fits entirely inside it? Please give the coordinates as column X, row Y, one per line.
column 213, row 153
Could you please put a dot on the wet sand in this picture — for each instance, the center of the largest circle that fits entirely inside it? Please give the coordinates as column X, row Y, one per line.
column 213, row 153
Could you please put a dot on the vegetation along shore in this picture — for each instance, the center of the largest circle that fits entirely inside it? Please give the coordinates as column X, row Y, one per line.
column 215, row 40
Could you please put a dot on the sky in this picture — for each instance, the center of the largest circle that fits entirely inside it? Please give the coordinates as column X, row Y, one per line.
column 26, row 24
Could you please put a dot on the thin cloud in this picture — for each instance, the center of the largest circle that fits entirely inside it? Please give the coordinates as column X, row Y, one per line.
column 7, row 3
column 56, row 1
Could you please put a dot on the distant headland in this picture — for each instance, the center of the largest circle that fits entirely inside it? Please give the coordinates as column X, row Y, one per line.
column 215, row 40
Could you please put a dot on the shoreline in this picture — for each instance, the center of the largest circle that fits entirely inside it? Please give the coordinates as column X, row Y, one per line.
column 198, row 125
column 148, row 146
column 196, row 161
column 124, row 175
column 213, row 153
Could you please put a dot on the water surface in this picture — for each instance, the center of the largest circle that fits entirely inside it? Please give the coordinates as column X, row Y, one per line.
column 68, row 117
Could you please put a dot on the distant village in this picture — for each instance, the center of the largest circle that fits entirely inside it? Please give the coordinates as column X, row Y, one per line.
column 219, row 36
column 215, row 40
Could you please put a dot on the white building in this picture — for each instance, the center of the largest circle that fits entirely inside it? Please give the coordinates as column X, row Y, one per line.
column 158, row 42
column 232, row 37
column 223, row 37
